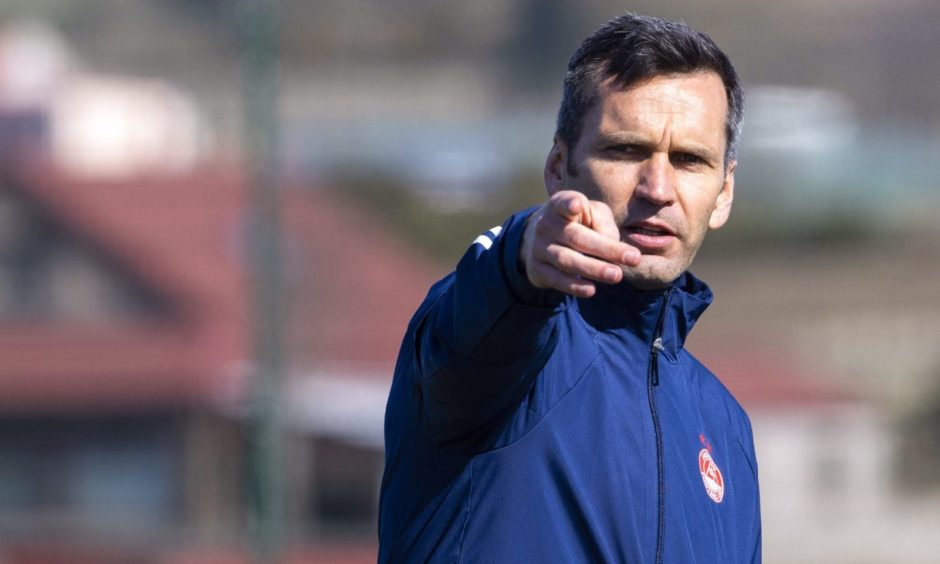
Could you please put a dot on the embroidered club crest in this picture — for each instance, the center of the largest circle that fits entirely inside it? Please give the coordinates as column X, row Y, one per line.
column 711, row 476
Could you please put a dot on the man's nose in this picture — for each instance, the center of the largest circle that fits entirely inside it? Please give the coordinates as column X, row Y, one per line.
column 657, row 183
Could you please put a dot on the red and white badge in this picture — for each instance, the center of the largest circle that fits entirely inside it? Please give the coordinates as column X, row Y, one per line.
column 711, row 476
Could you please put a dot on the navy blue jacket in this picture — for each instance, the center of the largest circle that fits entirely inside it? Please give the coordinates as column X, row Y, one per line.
column 524, row 425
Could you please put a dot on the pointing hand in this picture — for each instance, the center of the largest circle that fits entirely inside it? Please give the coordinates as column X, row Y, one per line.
column 572, row 242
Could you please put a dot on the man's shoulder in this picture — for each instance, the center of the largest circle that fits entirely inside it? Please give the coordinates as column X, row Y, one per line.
column 715, row 395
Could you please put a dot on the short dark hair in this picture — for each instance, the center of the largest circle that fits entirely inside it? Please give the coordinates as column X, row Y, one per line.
column 632, row 48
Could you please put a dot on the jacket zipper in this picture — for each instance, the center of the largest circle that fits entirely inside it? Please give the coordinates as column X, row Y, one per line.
column 652, row 382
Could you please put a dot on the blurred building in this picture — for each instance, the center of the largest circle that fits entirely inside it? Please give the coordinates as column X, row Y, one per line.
column 88, row 124
column 125, row 332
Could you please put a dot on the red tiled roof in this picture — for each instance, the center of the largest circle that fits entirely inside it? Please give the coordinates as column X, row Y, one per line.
column 65, row 368
column 366, row 284
column 350, row 288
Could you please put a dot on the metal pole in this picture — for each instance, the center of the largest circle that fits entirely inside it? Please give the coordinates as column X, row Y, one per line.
column 257, row 23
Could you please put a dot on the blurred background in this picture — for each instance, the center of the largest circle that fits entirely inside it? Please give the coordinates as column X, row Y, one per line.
column 217, row 216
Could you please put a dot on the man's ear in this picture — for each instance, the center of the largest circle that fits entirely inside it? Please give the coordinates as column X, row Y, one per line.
column 556, row 167
column 722, row 207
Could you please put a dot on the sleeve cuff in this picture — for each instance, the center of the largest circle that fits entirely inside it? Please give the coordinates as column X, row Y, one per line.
column 523, row 290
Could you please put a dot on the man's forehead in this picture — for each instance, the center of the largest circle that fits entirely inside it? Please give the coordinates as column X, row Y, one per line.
column 687, row 88
column 692, row 100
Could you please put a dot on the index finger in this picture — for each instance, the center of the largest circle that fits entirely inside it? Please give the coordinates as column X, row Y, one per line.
column 587, row 241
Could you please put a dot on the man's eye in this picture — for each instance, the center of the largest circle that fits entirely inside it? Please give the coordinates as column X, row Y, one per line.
column 630, row 151
column 687, row 159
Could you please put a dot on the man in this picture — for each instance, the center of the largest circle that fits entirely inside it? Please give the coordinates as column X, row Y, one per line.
column 543, row 408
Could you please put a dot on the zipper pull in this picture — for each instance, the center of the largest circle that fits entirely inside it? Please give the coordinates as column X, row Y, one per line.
column 654, row 364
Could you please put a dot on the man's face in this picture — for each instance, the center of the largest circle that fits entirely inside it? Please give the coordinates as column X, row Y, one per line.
column 654, row 153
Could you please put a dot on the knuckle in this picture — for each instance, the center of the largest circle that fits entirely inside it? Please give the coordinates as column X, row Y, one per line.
column 535, row 256
column 573, row 236
column 552, row 279
column 558, row 256
column 539, row 275
column 566, row 261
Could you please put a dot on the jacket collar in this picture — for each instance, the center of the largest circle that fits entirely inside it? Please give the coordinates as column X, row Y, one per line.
column 622, row 307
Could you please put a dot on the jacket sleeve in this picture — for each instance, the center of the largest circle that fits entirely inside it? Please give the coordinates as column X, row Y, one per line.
column 483, row 339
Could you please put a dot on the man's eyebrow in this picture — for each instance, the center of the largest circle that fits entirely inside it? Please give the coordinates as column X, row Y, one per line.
column 622, row 138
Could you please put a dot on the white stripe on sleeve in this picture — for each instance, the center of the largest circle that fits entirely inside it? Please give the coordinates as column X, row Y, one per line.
column 483, row 241
column 486, row 240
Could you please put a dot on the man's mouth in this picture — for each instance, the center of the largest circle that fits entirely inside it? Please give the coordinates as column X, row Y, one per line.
column 645, row 231
column 649, row 237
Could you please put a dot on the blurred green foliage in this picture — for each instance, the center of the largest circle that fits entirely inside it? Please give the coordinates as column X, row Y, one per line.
column 443, row 234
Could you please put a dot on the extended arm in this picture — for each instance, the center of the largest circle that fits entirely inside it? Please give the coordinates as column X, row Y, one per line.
column 485, row 332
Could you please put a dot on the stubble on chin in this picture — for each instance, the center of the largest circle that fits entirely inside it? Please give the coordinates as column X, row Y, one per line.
column 653, row 273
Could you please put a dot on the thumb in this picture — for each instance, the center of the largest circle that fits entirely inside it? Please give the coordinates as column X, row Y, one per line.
column 573, row 206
